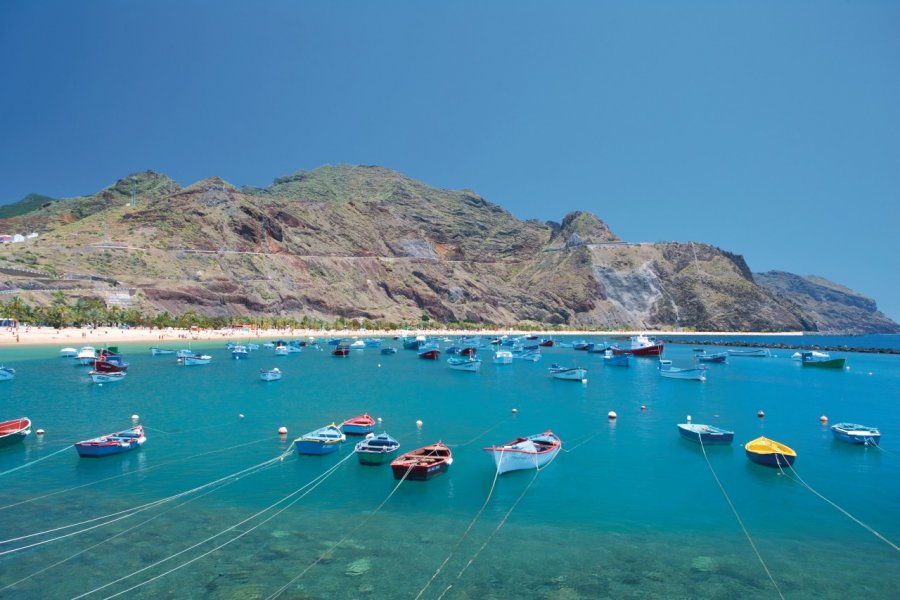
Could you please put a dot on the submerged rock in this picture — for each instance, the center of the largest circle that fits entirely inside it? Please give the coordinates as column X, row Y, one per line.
column 704, row 564
column 358, row 567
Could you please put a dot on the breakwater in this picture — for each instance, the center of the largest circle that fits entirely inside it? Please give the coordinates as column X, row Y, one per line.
column 781, row 346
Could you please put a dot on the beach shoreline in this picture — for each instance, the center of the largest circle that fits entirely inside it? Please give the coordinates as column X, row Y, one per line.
column 101, row 336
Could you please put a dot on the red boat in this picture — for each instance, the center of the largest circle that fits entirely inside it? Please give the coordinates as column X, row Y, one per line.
column 12, row 432
column 468, row 351
column 423, row 463
column 110, row 362
column 360, row 425
column 640, row 345
column 341, row 350
column 429, row 353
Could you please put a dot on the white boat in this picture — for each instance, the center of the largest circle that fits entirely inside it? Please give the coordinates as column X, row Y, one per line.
column 68, row 352
column 281, row 350
column 86, row 355
column 530, row 355
column 99, row 377
column 269, row 345
column 156, row 351
column 752, row 353
column 532, row 452
column 270, row 374
column 196, row 359
column 294, row 348
column 239, row 352
column 853, row 433
column 184, row 352
column 358, row 345
column 473, row 365
column 503, row 357
column 252, row 347
column 813, row 353
column 667, row 370
column 568, row 373
column 7, row 373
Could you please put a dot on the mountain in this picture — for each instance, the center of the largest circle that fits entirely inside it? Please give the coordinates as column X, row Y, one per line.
column 28, row 204
column 365, row 241
column 826, row 306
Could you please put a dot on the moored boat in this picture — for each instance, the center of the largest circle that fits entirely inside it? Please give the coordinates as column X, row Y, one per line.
column 532, row 452
column 86, row 355
column 568, row 373
column 429, row 352
column 814, row 353
column 323, row 440
column 113, row 443
column 546, row 343
column 360, row 425
column 472, row 365
column 68, row 352
column 270, row 374
column 667, row 370
column 341, row 350
column 752, row 353
column 855, row 433
column 239, row 351
column 7, row 373
column 357, row 345
column 768, row 452
column 808, row 360
column 281, row 349
column 195, row 359
column 377, row 450
column 503, row 357
column 100, row 377
column 388, row 350
column 423, row 463
column 14, row 431
column 639, row 345
column 611, row 359
column 716, row 357
column 705, row 434
column 157, row 351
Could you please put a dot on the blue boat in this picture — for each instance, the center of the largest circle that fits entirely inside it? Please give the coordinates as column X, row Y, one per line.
column 706, row 434
column 372, row 342
column 717, row 357
column 113, row 443
column 853, row 433
column 239, row 352
column 611, row 359
column 324, row 440
column 377, row 450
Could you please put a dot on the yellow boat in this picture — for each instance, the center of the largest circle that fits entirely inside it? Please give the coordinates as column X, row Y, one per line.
column 764, row 451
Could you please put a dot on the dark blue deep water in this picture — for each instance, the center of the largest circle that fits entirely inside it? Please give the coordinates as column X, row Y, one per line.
column 628, row 510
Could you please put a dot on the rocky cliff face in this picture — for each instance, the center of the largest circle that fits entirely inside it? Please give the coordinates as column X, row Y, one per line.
column 825, row 306
column 367, row 242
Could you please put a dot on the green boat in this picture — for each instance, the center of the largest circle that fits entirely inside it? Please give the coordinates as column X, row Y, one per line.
column 808, row 360
column 377, row 450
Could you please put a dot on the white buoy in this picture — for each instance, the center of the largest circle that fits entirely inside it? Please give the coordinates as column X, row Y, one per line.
column 689, row 418
column 419, row 423
column 515, row 410
column 643, row 407
column 612, row 415
column 370, row 435
column 39, row 432
column 134, row 417
column 823, row 419
column 282, row 430
column 240, row 415
column 379, row 365
column 760, row 414
column 379, row 420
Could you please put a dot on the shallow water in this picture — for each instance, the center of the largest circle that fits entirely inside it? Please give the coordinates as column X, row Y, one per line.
column 628, row 510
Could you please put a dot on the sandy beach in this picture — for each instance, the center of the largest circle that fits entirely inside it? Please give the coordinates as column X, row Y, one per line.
column 75, row 337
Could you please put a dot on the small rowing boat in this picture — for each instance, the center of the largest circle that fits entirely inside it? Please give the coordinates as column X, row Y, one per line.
column 323, row 440
column 853, row 433
column 113, row 443
column 360, row 425
column 377, row 450
column 423, row 463
column 704, row 434
column 14, row 431
column 532, row 452
column 768, row 452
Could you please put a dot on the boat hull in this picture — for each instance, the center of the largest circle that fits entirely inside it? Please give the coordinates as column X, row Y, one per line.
column 705, row 434
column 354, row 429
column 13, row 432
column 430, row 354
column 856, row 434
column 315, row 447
column 114, row 443
column 770, row 459
column 368, row 457
column 107, row 377
column 616, row 360
column 826, row 363
column 511, row 460
column 686, row 374
column 713, row 358
column 570, row 374
column 420, row 472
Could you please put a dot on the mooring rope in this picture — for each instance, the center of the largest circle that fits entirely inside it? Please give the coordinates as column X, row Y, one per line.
column 321, row 557
column 463, row 536
column 581, row 443
column 37, row 460
column 851, row 517
column 480, row 435
column 312, row 485
column 738, row 517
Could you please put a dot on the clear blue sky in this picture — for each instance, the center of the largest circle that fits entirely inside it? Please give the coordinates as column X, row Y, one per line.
column 770, row 129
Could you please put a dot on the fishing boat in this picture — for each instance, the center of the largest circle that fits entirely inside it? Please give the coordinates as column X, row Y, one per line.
column 195, row 359
column 7, row 373
column 372, row 343
column 388, row 350
column 639, row 345
column 323, row 440
column 546, row 343
column 704, row 434
column 768, row 452
column 68, row 353
column 472, row 365
column 814, row 353
column 110, row 362
column 503, row 357
column 86, row 356
column 716, row 357
column 360, row 425
column 468, row 350
column 611, row 359
column 808, row 360
column 357, row 345
column 281, row 350
column 184, row 352
column 270, row 374
column 429, row 352
column 854, row 433
column 157, row 351
column 423, row 463
column 341, row 350
column 752, row 353
column 415, row 343
column 532, row 452
column 580, row 345
column 113, row 443
column 568, row 373
column 100, row 377
column 667, row 370
column 529, row 355
column 294, row 346
column 377, row 450
column 240, row 352
column 14, row 431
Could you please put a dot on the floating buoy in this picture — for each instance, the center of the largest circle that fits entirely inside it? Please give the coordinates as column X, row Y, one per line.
column 134, row 417
column 419, row 423
column 612, row 415
column 689, row 418
column 760, row 414
column 823, row 419
column 379, row 419
column 379, row 365
column 643, row 407
column 282, row 430
column 240, row 415
column 515, row 410
column 39, row 432
column 370, row 435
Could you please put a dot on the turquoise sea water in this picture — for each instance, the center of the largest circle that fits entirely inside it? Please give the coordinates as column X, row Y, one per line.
column 628, row 510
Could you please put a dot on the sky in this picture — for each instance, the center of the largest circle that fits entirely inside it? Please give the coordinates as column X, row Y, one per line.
column 769, row 129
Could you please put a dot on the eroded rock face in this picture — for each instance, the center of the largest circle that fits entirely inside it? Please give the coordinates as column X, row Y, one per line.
column 356, row 241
